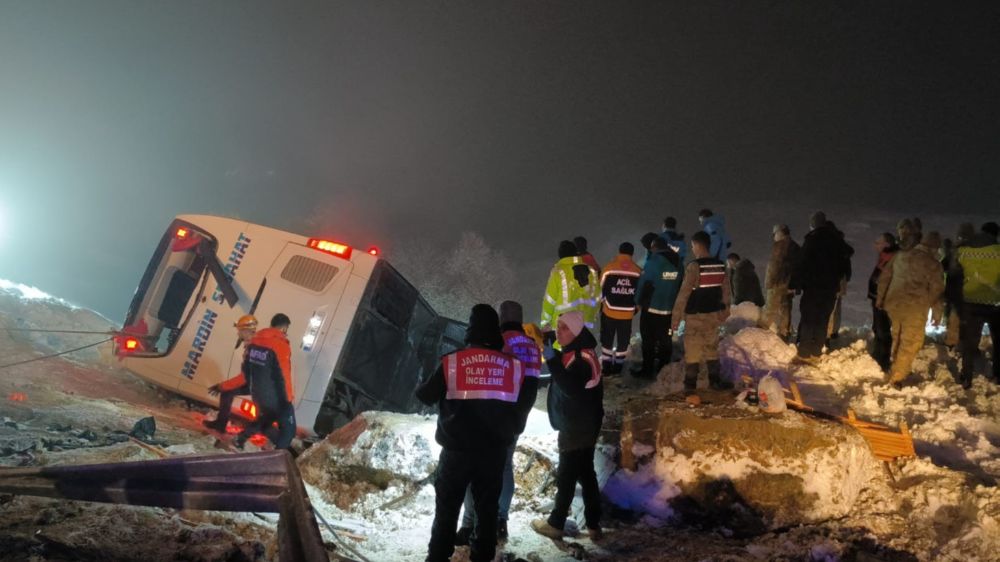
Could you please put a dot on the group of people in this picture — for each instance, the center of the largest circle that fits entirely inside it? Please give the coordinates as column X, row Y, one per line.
column 484, row 394
column 957, row 283
column 266, row 375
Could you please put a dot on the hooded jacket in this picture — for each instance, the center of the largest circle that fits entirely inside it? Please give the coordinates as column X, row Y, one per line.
column 267, row 366
column 576, row 397
column 660, row 282
column 825, row 260
column 912, row 280
column 619, row 283
column 572, row 285
column 715, row 226
column 979, row 268
column 676, row 242
column 745, row 283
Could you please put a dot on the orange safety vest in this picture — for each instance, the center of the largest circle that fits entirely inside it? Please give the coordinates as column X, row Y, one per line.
column 482, row 374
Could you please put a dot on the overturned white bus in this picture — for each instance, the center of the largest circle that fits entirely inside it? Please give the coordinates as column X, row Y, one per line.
column 361, row 335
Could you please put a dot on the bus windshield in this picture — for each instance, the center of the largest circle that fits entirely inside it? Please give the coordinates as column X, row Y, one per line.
column 175, row 274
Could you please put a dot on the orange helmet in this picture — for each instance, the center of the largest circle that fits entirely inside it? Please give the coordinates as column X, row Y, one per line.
column 246, row 322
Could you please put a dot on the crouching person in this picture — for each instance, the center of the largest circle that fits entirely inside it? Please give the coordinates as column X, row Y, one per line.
column 576, row 409
column 477, row 391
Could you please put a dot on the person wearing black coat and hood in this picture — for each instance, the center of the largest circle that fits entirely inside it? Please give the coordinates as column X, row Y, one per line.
column 478, row 393
column 576, row 410
column 824, row 262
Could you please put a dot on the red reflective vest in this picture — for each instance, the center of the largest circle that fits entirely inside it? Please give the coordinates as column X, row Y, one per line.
column 482, row 374
column 523, row 347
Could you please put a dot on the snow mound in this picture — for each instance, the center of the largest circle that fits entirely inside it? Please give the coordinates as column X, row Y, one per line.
column 741, row 316
column 755, row 352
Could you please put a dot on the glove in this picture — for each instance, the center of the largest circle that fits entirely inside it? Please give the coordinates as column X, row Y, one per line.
column 548, row 352
column 214, row 390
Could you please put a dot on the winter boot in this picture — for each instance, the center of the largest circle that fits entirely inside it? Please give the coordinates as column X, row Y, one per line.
column 542, row 527
column 215, row 425
column 715, row 379
column 463, row 536
column 502, row 533
column 691, row 377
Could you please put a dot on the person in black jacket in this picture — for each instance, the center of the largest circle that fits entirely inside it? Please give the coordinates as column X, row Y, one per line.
column 576, row 410
column 824, row 262
column 885, row 246
column 478, row 393
column 744, row 283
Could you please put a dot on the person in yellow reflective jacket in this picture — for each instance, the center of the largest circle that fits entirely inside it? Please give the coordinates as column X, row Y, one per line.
column 572, row 286
column 978, row 264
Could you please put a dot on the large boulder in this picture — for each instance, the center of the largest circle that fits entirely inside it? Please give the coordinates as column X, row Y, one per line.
column 737, row 468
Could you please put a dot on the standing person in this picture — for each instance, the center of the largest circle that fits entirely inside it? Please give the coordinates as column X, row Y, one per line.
column 267, row 365
column 703, row 304
column 673, row 238
column 743, row 280
column 952, row 294
column 824, row 261
column 911, row 283
column 715, row 226
column 618, row 291
column 478, row 420
column 778, row 305
column 229, row 389
column 576, row 410
column 647, row 243
column 572, row 285
column 979, row 267
column 581, row 250
column 519, row 345
column 906, row 235
column 833, row 326
column 885, row 249
column 658, row 286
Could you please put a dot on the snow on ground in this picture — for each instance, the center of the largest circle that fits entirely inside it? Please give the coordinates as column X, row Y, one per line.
column 943, row 505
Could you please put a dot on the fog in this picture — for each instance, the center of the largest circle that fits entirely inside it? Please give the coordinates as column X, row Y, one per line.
column 527, row 122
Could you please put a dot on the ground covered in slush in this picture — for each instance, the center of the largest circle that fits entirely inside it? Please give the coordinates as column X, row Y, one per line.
column 721, row 481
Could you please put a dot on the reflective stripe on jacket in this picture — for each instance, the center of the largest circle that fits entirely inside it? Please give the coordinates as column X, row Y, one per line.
column 565, row 292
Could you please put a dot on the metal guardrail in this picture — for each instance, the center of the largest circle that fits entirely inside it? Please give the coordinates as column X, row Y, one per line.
column 264, row 482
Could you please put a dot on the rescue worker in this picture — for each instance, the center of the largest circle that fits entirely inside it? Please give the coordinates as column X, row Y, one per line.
column 703, row 304
column 911, row 283
column 581, row 250
column 673, row 238
column 479, row 417
column 952, row 294
column 576, row 410
column 267, row 365
column 647, row 243
column 518, row 344
column 715, row 227
column 572, row 285
column 824, row 261
column 979, row 268
column 778, row 277
column 227, row 390
column 619, row 281
column 885, row 249
column 743, row 280
column 658, row 286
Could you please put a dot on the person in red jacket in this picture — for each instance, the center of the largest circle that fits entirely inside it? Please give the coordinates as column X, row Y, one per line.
column 229, row 389
column 267, row 366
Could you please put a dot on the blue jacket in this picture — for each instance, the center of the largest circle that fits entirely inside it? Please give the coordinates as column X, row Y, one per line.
column 715, row 226
column 659, row 283
column 676, row 242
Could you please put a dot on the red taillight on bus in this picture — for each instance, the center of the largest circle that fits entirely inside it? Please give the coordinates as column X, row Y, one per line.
column 333, row 248
column 181, row 233
column 130, row 344
column 373, row 251
column 249, row 409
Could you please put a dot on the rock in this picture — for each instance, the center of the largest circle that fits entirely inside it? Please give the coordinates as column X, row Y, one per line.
column 745, row 471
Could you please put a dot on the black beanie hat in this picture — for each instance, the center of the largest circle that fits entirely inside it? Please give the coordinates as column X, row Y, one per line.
column 567, row 249
column 484, row 328
column 511, row 311
column 626, row 248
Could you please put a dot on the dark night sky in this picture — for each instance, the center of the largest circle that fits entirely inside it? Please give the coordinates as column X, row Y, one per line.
column 528, row 122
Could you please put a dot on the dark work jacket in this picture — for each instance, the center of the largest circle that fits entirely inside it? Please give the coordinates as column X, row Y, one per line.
column 883, row 259
column 745, row 283
column 262, row 368
column 825, row 259
column 468, row 425
column 575, row 410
